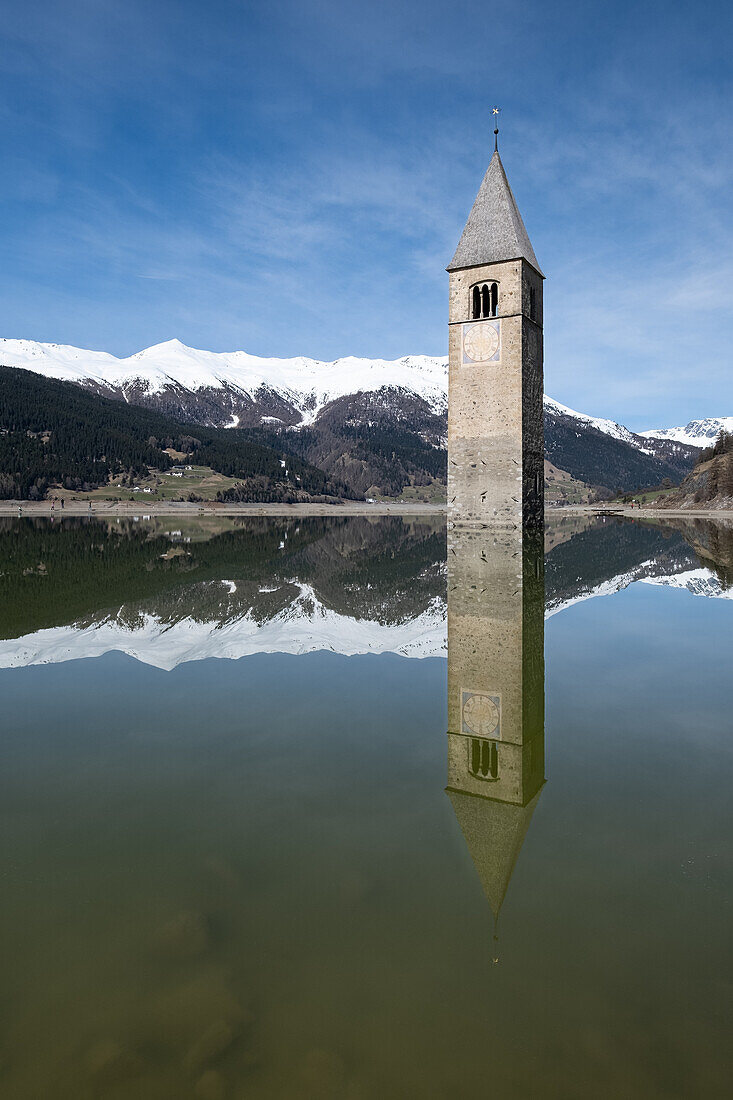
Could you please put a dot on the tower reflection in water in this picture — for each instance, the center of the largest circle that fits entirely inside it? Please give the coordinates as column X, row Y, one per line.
column 496, row 696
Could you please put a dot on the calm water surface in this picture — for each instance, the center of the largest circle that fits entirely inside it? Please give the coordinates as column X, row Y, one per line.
column 230, row 866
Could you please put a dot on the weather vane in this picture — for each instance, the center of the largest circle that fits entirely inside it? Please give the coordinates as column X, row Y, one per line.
column 495, row 112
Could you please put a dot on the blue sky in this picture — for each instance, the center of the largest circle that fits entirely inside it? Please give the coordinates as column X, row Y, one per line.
column 291, row 177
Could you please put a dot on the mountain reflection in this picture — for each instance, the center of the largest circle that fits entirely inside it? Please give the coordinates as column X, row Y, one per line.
column 226, row 589
column 496, row 702
column 168, row 591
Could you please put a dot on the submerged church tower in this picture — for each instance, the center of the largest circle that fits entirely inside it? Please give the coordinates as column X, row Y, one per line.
column 495, row 432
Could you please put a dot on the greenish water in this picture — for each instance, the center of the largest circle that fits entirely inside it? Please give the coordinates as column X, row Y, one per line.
column 230, row 867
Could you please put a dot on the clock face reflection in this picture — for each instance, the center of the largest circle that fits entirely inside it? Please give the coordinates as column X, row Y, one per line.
column 480, row 342
column 480, row 714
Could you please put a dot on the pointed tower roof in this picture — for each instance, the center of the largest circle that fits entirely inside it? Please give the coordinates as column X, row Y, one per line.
column 494, row 834
column 494, row 231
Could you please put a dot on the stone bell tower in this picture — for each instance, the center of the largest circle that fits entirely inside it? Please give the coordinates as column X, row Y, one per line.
column 495, row 431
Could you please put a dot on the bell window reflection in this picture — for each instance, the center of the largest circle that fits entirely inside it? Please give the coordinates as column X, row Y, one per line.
column 484, row 759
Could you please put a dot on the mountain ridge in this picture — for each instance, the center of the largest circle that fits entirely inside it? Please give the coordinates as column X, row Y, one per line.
column 306, row 385
column 173, row 363
column 696, row 433
column 375, row 425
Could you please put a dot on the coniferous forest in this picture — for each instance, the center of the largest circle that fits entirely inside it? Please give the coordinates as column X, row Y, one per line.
column 54, row 434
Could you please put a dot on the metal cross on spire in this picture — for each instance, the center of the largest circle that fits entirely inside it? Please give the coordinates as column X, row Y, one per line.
column 495, row 112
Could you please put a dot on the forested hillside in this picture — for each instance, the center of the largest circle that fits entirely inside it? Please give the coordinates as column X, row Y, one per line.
column 598, row 459
column 711, row 482
column 377, row 443
column 56, row 434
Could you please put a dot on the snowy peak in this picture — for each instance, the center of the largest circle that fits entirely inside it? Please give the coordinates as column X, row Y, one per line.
column 698, row 433
column 307, row 385
column 235, row 388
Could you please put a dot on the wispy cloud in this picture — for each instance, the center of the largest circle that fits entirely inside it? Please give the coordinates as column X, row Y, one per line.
column 292, row 177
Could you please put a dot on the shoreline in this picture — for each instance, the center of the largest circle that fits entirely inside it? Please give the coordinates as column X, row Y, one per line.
column 208, row 508
column 145, row 509
column 639, row 513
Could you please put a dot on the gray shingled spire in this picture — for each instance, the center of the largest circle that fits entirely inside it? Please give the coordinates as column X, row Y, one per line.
column 494, row 230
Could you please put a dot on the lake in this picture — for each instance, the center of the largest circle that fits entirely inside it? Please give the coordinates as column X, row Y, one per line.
column 242, row 857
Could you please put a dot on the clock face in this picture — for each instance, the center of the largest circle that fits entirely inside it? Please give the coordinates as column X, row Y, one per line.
column 480, row 714
column 481, row 342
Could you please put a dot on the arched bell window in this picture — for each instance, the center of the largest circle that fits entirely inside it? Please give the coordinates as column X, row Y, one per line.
column 484, row 300
column 484, row 759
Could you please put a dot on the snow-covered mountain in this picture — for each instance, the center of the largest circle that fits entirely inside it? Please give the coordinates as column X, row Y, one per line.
column 588, row 592
column 698, row 582
column 289, row 586
column 698, row 433
column 405, row 399
column 294, row 390
column 229, row 388
column 602, row 452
